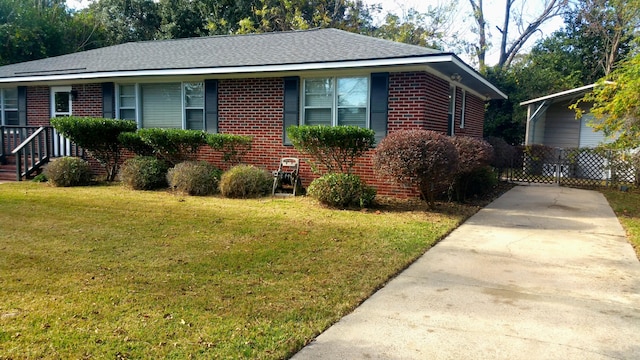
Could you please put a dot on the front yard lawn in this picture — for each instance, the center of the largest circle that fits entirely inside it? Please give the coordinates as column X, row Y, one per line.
column 105, row 272
column 627, row 207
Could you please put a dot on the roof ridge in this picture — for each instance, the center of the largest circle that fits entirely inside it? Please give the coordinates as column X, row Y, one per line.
column 218, row 36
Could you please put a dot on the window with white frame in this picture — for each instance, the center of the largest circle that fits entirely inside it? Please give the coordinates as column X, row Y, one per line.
column 163, row 105
column 335, row 101
column 127, row 102
column 9, row 106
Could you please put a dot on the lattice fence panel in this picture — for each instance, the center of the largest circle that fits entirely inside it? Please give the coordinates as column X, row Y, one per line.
column 581, row 167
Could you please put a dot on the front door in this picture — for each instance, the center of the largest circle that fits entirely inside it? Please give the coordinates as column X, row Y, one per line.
column 61, row 105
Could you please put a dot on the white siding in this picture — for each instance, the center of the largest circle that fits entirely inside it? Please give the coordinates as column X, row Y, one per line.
column 562, row 129
column 588, row 136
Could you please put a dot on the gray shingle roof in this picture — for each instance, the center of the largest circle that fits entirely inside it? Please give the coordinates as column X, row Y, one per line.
column 296, row 47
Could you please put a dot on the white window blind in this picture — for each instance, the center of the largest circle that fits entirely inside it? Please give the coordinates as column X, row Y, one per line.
column 336, row 101
column 161, row 105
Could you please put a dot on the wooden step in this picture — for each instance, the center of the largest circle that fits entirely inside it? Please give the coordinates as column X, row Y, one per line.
column 8, row 172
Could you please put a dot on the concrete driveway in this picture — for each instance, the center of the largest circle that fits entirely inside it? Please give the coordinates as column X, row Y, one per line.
column 542, row 273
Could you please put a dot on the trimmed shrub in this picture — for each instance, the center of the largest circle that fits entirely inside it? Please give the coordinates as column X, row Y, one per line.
column 144, row 173
column 174, row 145
column 473, row 154
column 133, row 141
column 341, row 191
column 245, row 181
column 194, row 178
column 99, row 137
column 424, row 159
column 68, row 171
column 477, row 182
column 232, row 147
column 335, row 148
column 503, row 154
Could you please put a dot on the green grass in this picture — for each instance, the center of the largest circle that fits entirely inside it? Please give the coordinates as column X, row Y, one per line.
column 105, row 272
column 627, row 207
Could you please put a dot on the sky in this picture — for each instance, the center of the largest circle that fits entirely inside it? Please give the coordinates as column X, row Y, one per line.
column 494, row 15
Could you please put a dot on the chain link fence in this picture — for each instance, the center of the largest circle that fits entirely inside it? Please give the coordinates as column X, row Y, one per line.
column 579, row 167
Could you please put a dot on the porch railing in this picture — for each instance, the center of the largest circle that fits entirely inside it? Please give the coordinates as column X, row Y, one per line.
column 33, row 146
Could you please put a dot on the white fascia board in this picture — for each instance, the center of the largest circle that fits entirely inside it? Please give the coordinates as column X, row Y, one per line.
column 469, row 70
column 559, row 94
column 234, row 70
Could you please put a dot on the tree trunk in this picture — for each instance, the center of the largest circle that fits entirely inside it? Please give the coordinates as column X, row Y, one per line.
column 481, row 48
column 504, row 33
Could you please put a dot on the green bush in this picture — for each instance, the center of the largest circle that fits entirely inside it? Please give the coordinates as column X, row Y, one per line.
column 475, row 183
column 144, row 173
column 99, row 137
column 335, row 148
column 194, row 178
column 174, row 145
column 68, row 171
column 134, row 143
column 233, row 147
column 341, row 191
column 245, row 181
column 40, row 178
column 504, row 155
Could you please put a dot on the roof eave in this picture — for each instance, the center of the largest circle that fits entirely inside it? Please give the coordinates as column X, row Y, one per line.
column 582, row 89
column 489, row 90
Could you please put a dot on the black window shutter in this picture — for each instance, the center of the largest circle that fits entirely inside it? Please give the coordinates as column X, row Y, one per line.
column 379, row 104
column 22, row 105
column 108, row 100
column 211, row 106
column 291, row 105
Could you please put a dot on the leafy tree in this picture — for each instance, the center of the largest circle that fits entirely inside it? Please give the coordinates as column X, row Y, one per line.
column 182, row 19
column 610, row 25
column 126, row 20
column 224, row 16
column 433, row 28
column 616, row 103
column 283, row 15
column 36, row 30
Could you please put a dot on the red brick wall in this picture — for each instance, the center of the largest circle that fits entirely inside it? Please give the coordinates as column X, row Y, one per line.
column 474, row 116
column 417, row 100
column 38, row 108
column 88, row 101
column 407, row 101
column 437, row 104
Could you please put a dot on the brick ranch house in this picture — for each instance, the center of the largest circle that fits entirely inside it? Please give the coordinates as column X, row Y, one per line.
column 256, row 85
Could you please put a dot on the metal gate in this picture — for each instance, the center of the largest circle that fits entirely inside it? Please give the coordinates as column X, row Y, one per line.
column 580, row 167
